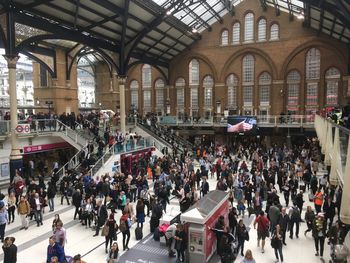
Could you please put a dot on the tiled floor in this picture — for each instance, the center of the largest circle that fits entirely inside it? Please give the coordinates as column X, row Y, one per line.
column 32, row 243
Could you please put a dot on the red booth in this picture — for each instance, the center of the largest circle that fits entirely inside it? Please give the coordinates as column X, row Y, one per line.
column 198, row 219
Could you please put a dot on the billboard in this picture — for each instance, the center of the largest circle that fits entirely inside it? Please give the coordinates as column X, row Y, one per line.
column 241, row 124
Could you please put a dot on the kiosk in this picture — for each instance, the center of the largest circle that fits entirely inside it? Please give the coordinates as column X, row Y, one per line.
column 198, row 219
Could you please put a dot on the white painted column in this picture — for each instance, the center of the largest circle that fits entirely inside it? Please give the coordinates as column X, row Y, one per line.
column 335, row 162
column 15, row 155
column 345, row 208
column 121, row 82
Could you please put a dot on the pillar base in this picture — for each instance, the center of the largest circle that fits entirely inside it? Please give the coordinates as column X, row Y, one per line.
column 15, row 164
column 345, row 219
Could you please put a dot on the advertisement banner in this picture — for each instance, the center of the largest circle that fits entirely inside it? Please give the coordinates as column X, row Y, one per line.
column 45, row 147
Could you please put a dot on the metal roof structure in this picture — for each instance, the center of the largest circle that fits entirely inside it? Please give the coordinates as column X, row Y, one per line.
column 126, row 32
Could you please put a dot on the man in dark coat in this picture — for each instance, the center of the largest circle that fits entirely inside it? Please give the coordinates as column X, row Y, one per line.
column 76, row 200
column 102, row 215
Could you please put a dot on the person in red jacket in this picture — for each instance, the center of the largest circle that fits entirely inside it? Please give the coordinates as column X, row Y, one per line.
column 263, row 229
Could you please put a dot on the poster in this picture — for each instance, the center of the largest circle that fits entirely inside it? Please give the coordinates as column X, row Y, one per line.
column 5, row 170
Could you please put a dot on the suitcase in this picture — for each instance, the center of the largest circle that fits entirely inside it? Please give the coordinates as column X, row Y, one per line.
column 156, row 234
column 138, row 233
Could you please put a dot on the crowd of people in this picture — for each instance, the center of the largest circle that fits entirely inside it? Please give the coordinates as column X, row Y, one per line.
column 256, row 178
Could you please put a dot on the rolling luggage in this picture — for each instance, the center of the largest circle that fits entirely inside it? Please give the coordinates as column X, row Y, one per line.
column 138, row 233
column 156, row 234
column 154, row 222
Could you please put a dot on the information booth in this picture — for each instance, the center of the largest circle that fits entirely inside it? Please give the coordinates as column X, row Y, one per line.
column 198, row 220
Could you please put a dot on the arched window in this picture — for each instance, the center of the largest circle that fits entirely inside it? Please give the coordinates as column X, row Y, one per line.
column 236, row 33
column 313, row 66
column 134, row 94
column 194, row 72
column 159, row 85
column 248, row 80
column 232, row 84
column 274, row 32
column 264, row 86
column 249, row 27
column 248, row 68
column 332, row 81
column 293, row 87
column 224, row 37
column 208, row 84
column 262, row 29
column 146, row 76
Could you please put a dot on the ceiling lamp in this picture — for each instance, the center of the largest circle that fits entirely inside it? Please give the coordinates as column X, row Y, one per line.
column 194, row 30
column 168, row 13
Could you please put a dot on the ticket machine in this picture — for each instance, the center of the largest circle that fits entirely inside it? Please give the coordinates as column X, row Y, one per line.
column 198, row 220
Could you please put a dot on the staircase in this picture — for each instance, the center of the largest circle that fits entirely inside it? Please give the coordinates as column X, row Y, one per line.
column 74, row 137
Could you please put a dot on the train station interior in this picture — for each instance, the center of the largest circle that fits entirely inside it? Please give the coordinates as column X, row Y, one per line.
column 163, row 131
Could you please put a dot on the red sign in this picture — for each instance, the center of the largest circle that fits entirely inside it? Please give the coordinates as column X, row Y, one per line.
column 45, row 147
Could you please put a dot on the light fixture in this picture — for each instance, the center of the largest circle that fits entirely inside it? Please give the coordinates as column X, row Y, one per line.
column 300, row 16
column 168, row 13
column 194, row 30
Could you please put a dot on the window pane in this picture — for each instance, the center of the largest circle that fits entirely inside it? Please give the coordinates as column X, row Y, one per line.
column 265, row 95
column 265, row 78
column 236, row 33
column 293, row 95
column 146, row 76
column 208, row 97
column 180, row 97
column 332, row 92
column 248, row 68
column 180, row 82
column 194, row 72
column 313, row 60
column 194, row 98
column 248, row 95
column 333, row 73
column 224, row 37
column 262, row 30
column 232, row 97
column 249, row 27
column 147, row 99
column 135, row 98
column 274, row 33
column 134, row 84
column 293, row 76
column 43, row 76
column 311, row 94
column 160, row 98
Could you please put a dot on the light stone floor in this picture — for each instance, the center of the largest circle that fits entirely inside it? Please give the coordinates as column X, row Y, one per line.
column 32, row 243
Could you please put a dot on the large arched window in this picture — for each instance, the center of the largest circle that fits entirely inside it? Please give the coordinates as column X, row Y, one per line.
column 232, row 85
column 194, row 72
column 274, row 32
column 146, row 76
column 134, row 94
column 262, row 29
column 159, row 86
column 224, row 37
column 248, row 80
column 264, row 87
column 293, row 87
column 332, row 82
column 146, row 88
column 249, row 27
column 313, row 67
column 236, row 33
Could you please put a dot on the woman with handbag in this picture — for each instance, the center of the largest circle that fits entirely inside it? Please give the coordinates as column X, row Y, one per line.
column 242, row 235
column 109, row 231
column 276, row 243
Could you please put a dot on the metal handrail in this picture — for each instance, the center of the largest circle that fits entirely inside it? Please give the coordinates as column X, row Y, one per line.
column 74, row 160
column 102, row 158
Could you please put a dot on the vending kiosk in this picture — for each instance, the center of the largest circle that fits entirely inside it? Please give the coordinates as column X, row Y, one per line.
column 199, row 219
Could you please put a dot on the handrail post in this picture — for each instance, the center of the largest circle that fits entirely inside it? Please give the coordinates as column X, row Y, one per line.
column 301, row 120
column 275, row 120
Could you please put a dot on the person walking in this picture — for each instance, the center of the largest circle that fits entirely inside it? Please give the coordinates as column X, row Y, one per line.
column 76, row 201
column 248, row 257
column 318, row 200
column 180, row 243
column 36, row 205
column 102, row 215
column 263, row 229
column 3, row 220
column 124, row 226
column 295, row 219
column 11, row 207
column 10, row 250
column 112, row 226
column 284, row 222
column 54, row 249
column 309, row 219
column 242, row 235
column 51, row 193
column 23, row 210
column 276, row 243
column 319, row 229
column 113, row 254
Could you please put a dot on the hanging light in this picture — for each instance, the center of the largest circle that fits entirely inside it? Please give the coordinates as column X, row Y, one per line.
column 168, row 13
column 194, row 30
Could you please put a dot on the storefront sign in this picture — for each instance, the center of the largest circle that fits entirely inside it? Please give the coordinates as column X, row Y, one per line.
column 45, row 147
column 23, row 128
